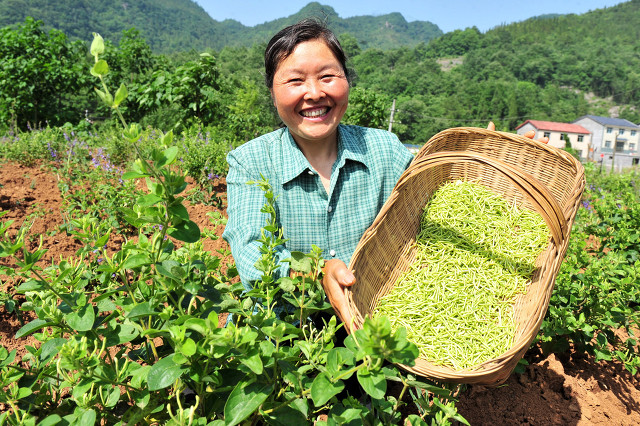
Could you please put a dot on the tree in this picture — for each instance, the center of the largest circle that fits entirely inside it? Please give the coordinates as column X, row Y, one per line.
column 39, row 72
column 349, row 45
column 196, row 89
column 367, row 108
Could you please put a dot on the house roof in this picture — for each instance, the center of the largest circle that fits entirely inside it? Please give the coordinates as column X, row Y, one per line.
column 608, row 121
column 556, row 127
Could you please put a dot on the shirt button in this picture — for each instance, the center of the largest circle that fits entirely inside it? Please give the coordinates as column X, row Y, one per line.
column 332, row 253
column 310, row 172
column 329, row 209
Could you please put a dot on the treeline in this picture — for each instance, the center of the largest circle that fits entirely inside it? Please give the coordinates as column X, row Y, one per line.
column 178, row 25
column 538, row 69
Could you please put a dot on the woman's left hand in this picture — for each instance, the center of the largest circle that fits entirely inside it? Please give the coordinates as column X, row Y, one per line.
column 530, row 134
column 336, row 276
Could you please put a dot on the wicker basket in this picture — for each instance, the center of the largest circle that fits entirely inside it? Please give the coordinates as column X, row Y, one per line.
column 536, row 176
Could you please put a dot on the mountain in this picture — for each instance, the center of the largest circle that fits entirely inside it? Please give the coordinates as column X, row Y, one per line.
column 180, row 25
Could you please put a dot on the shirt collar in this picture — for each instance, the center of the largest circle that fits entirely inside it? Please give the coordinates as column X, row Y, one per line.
column 350, row 147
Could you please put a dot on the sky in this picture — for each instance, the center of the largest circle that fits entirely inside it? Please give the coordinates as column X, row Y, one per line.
column 448, row 15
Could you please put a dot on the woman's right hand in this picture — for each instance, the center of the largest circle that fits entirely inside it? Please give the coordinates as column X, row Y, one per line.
column 336, row 276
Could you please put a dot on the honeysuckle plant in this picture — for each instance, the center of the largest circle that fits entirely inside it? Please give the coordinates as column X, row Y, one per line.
column 142, row 335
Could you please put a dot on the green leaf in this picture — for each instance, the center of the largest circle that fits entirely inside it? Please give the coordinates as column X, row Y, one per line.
column 373, row 382
column 100, row 68
column 7, row 357
column 196, row 324
column 50, row 348
column 23, row 393
column 168, row 156
column 122, row 333
column 82, row 319
column 102, row 95
column 134, row 175
column 148, row 200
column 188, row 347
column 322, row 389
column 285, row 416
column 286, row 284
column 32, row 327
column 338, row 358
column 141, row 310
column 87, row 418
column 244, row 400
column 121, row 95
column 163, row 373
column 167, row 138
column 253, row 361
column 113, row 397
column 187, row 231
column 102, row 241
column 31, row 285
column 136, row 261
column 51, row 420
column 300, row 262
column 180, row 211
column 81, row 388
column 171, row 269
column 415, row 420
column 132, row 134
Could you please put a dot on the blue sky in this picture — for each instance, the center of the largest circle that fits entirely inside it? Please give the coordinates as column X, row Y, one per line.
column 449, row 15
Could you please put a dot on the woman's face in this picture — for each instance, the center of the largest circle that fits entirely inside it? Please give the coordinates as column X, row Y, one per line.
column 311, row 92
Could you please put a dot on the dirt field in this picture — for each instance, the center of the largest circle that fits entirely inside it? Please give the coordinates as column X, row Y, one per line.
column 558, row 390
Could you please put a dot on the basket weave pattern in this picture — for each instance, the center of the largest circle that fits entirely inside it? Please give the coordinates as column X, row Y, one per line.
column 534, row 175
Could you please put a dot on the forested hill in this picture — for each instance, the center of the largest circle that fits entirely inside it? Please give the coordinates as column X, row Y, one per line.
column 179, row 25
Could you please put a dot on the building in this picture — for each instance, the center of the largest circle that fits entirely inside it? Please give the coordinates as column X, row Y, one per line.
column 615, row 141
column 580, row 138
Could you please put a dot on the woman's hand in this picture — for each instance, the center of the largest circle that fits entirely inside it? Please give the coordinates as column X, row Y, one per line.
column 337, row 276
column 530, row 134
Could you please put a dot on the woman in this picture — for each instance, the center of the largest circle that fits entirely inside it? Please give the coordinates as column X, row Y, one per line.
column 330, row 179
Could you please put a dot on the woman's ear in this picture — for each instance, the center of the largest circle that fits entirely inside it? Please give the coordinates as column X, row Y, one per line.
column 273, row 99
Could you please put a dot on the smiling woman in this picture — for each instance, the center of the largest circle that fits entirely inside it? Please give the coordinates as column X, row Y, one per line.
column 310, row 91
column 329, row 179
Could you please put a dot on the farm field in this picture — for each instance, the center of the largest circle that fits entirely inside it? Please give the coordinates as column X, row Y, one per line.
column 569, row 388
column 120, row 303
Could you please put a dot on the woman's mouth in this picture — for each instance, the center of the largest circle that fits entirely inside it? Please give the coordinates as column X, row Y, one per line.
column 315, row 112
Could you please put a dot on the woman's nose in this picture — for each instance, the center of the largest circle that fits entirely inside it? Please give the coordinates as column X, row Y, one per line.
column 314, row 90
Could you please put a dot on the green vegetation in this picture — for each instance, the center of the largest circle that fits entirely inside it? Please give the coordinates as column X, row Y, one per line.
column 540, row 68
column 138, row 331
column 182, row 25
column 135, row 334
column 596, row 304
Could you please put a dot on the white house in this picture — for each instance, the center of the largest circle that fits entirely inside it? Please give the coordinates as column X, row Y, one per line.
column 615, row 141
column 579, row 137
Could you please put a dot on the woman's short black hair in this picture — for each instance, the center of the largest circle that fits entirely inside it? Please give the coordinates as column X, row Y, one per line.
column 286, row 40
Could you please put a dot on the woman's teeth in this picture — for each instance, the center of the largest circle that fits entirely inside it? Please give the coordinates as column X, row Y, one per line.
column 314, row 113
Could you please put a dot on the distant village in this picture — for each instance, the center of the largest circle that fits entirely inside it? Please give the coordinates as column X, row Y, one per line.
column 612, row 142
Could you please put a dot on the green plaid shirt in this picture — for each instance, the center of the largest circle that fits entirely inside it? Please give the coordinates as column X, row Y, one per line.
column 368, row 165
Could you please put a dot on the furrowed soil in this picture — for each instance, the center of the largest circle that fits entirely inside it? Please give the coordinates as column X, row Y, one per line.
column 561, row 389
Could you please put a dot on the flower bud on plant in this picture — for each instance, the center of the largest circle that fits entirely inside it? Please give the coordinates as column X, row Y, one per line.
column 97, row 45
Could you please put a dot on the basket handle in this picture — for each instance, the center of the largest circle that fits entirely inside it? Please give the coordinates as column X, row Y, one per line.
column 540, row 197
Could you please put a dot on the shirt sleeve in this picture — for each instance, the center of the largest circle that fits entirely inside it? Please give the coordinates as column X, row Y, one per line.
column 245, row 221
